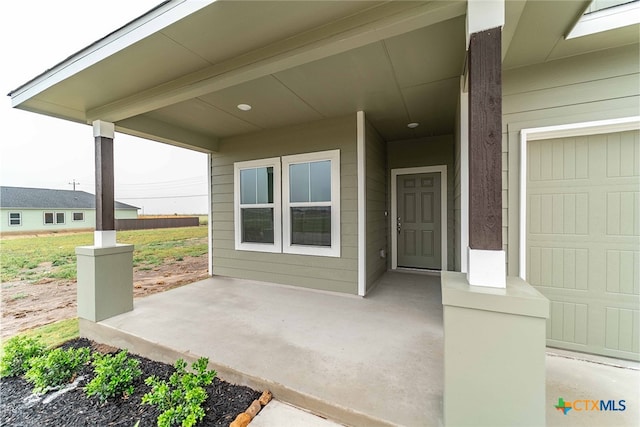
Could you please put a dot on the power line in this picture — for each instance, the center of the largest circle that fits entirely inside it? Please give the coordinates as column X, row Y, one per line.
column 161, row 197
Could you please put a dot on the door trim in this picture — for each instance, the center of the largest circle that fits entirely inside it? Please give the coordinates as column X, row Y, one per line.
column 560, row 131
column 442, row 170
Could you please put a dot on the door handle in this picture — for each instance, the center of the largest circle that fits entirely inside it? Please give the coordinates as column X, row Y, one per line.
column 399, row 225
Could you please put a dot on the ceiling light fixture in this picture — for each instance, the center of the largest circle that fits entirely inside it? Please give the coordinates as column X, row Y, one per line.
column 413, row 125
column 244, row 107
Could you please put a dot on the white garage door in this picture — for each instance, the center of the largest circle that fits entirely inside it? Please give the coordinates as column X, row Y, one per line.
column 583, row 240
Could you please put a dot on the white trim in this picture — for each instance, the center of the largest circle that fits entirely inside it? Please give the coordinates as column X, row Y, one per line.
column 560, row 131
column 442, row 169
column 104, row 238
column 103, row 129
column 287, row 247
column 484, row 15
column 487, row 268
column 210, row 211
column 605, row 20
column 135, row 31
column 362, row 202
column 464, row 177
column 276, row 246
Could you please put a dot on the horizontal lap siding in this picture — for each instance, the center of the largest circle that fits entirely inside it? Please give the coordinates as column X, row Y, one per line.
column 377, row 232
column 596, row 86
column 333, row 274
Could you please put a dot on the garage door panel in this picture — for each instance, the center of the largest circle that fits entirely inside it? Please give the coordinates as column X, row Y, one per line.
column 623, row 272
column 583, row 240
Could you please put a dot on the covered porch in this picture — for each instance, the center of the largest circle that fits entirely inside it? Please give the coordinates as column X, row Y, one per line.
column 360, row 361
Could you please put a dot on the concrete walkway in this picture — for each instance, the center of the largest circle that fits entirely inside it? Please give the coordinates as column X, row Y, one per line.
column 359, row 362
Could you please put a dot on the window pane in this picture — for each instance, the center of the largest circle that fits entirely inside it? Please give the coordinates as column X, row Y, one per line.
column 248, row 186
column 14, row 215
column 320, row 173
column 299, row 182
column 60, row 218
column 78, row 216
column 311, row 226
column 265, row 185
column 48, row 218
column 257, row 225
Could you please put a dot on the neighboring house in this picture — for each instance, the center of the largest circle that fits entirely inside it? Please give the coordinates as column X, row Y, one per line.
column 338, row 139
column 41, row 209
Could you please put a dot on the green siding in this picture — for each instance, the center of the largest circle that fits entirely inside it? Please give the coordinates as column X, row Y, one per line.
column 377, row 231
column 333, row 274
column 432, row 151
column 597, row 86
column 33, row 219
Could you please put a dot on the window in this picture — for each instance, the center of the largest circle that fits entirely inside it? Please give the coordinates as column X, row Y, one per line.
column 54, row 218
column 257, row 205
column 78, row 216
column 311, row 203
column 15, row 218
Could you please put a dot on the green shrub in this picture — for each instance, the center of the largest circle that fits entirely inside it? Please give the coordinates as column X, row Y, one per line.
column 180, row 399
column 56, row 368
column 114, row 375
column 18, row 351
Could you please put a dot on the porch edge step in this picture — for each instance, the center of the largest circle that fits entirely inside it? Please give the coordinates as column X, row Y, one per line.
column 106, row 334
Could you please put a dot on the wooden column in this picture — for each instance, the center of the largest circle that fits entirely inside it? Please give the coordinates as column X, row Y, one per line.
column 103, row 133
column 485, row 140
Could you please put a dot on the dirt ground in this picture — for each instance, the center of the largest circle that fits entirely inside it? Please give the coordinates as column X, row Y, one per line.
column 28, row 305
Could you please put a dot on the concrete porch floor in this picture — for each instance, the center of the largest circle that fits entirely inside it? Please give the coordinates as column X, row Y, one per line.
column 361, row 362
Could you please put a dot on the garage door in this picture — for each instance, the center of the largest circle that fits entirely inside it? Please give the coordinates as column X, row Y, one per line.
column 583, row 240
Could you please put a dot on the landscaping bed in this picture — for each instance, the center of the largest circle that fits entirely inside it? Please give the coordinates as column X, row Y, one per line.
column 73, row 408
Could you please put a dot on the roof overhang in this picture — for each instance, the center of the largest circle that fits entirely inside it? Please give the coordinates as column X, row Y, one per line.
column 177, row 73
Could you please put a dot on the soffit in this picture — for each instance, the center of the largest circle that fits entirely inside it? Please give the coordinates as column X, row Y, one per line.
column 542, row 27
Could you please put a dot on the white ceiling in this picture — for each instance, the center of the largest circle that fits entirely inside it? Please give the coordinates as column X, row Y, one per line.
column 296, row 62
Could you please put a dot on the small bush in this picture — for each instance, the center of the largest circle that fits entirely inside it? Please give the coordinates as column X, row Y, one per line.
column 180, row 399
column 56, row 368
column 115, row 375
column 18, row 352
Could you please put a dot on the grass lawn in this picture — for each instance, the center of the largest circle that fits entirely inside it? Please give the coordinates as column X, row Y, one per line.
column 53, row 334
column 53, row 256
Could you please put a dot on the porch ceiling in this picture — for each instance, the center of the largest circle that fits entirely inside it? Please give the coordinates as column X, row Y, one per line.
column 180, row 82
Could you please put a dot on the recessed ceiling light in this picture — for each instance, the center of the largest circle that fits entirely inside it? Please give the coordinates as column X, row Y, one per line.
column 413, row 125
column 244, row 107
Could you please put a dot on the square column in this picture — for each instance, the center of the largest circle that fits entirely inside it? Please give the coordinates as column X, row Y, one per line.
column 105, row 234
column 105, row 281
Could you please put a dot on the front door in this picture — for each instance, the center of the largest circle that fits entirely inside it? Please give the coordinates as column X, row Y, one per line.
column 419, row 221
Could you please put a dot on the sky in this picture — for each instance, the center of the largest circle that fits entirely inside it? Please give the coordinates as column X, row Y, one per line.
column 43, row 152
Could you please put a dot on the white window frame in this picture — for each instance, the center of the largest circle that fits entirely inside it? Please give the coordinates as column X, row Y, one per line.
column 287, row 247
column 276, row 246
column 73, row 217
column 19, row 219
column 64, row 218
column 53, row 218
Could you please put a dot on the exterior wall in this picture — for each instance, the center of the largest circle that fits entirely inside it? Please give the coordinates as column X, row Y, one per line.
column 126, row 214
column 327, row 273
column 432, row 151
column 377, row 231
column 597, row 86
column 33, row 219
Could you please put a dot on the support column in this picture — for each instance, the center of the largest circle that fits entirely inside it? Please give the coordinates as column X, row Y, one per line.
column 494, row 327
column 105, row 270
column 487, row 260
column 105, row 234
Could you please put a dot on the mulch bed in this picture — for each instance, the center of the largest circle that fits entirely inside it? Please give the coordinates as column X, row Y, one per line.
column 74, row 408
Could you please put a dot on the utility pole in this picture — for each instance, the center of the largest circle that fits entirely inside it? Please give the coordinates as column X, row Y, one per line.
column 74, row 183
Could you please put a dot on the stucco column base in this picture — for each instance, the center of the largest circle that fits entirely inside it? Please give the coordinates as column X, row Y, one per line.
column 494, row 353
column 105, row 281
